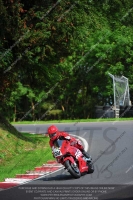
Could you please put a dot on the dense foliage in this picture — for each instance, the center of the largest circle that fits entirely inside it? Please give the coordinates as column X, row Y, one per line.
column 56, row 55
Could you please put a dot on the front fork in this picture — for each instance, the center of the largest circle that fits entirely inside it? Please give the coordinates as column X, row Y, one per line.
column 70, row 158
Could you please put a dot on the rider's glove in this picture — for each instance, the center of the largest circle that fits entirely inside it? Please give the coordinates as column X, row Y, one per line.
column 68, row 138
column 79, row 143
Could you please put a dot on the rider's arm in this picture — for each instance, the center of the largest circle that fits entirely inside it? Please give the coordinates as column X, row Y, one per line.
column 64, row 135
column 51, row 145
column 72, row 140
column 52, row 151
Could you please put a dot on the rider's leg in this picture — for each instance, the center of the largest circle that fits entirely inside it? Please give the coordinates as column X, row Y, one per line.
column 81, row 148
column 86, row 154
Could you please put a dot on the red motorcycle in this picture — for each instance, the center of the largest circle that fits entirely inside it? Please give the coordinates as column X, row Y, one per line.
column 72, row 158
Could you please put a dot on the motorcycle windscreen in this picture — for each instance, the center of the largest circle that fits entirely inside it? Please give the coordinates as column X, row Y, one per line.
column 58, row 143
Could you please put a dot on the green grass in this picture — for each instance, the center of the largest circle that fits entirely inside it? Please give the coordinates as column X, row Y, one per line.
column 18, row 156
column 73, row 121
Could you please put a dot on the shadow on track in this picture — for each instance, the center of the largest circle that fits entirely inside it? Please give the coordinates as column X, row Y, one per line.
column 60, row 177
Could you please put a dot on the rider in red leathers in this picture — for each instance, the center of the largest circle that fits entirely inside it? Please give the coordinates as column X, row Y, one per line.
column 54, row 134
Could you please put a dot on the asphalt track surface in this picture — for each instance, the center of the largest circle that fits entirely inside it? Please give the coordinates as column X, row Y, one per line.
column 111, row 148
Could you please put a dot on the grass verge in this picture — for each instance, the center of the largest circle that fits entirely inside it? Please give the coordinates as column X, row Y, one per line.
column 18, row 156
column 73, row 121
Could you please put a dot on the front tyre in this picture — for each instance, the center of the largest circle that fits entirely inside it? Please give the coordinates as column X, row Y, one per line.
column 73, row 170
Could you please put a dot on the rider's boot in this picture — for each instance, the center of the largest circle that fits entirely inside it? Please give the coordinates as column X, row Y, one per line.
column 86, row 154
column 89, row 161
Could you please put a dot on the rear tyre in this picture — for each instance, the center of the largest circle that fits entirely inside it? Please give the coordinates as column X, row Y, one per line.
column 74, row 171
column 91, row 167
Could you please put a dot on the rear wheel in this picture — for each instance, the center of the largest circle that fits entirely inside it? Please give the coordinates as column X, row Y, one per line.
column 72, row 169
column 91, row 167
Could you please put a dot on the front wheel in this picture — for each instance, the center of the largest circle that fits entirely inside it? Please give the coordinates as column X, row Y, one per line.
column 73, row 170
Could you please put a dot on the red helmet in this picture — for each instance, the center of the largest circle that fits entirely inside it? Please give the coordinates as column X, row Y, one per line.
column 52, row 131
